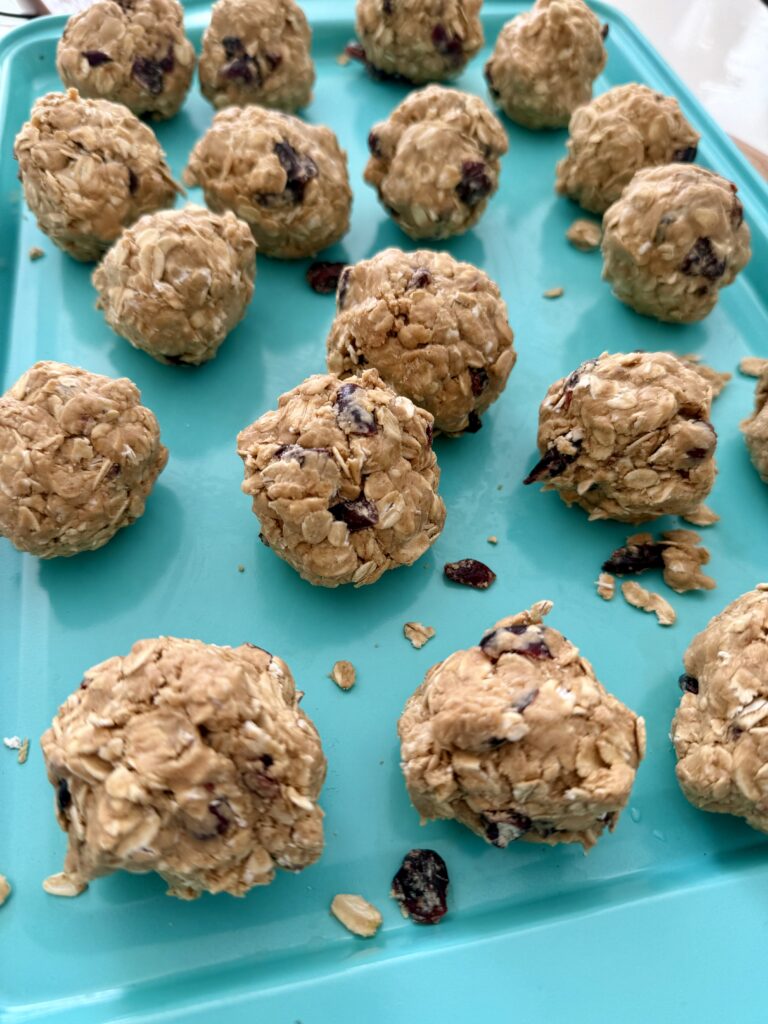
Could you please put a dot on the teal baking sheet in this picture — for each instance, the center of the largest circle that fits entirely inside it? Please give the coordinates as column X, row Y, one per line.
column 663, row 920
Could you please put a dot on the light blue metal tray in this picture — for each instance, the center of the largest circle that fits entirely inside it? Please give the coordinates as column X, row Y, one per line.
column 663, row 920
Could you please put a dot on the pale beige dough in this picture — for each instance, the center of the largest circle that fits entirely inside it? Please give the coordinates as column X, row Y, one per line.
column 675, row 237
column 755, row 427
column 618, row 133
column 516, row 739
column 89, row 169
column 191, row 760
column 177, row 282
column 435, row 161
column 719, row 732
column 420, row 40
column 344, row 479
column 434, row 328
column 545, row 61
column 79, row 455
column 287, row 179
column 628, row 437
column 129, row 51
column 257, row 51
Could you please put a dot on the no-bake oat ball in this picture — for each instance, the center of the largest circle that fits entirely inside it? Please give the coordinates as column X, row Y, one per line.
column 719, row 730
column 434, row 328
column 435, row 161
column 129, row 51
column 618, row 133
column 191, row 760
column 89, row 168
column 516, row 739
column 344, row 479
column 419, row 40
column 545, row 61
column 628, row 437
column 177, row 282
column 287, row 179
column 675, row 237
column 257, row 51
column 755, row 428
column 79, row 455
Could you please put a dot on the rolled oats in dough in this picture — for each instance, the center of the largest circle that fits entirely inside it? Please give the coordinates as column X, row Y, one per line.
column 419, row 40
column 434, row 328
column 177, row 282
column 545, row 61
column 257, row 51
column 755, row 428
column 79, row 455
column 191, row 760
column 344, row 479
column 675, row 237
column 621, row 131
column 287, row 179
column 129, row 51
column 89, row 169
column 516, row 739
column 628, row 437
column 719, row 728
column 435, row 161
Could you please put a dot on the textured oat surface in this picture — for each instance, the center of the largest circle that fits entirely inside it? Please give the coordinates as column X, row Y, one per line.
column 287, row 179
column 719, row 732
column 544, row 62
column 755, row 427
column 129, row 51
column 79, row 455
column 177, row 282
column 435, row 161
column 422, row 40
column 89, row 168
column 344, row 479
column 257, row 51
column 434, row 328
column 191, row 760
column 609, row 139
column 517, row 739
column 675, row 237
column 628, row 437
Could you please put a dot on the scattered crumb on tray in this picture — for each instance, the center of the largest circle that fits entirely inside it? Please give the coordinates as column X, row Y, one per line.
column 702, row 516
column 683, row 558
column 606, row 586
column 23, row 751
column 36, row 253
column 356, row 914
column 13, row 742
column 418, row 633
column 343, row 674
column 241, row 568
column 62, row 884
column 493, row 539
column 584, row 235
column 5, row 889
column 752, row 366
column 647, row 601
column 553, row 293
column 343, row 58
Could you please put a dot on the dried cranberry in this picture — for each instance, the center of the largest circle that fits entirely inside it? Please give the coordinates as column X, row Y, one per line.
column 685, row 156
column 470, row 573
column 151, row 73
column 528, row 698
column 527, row 641
column 702, row 260
column 351, row 414
column 274, row 60
column 552, row 463
column 63, row 796
column 572, row 380
column 96, row 58
column 688, row 684
column 635, row 558
column 475, row 184
column 479, row 379
column 604, row 30
column 421, row 886
column 430, row 434
column 233, row 47
column 374, row 144
column 341, row 295
column 133, row 181
column 323, row 276
column 504, row 827
column 387, row 6
column 474, row 423
column 448, row 45
column 698, row 453
column 420, row 278
column 222, row 812
column 242, row 69
column 300, row 169
column 355, row 52
column 267, row 760
column 360, row 514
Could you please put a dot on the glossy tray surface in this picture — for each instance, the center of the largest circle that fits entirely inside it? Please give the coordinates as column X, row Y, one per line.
column 653, row 923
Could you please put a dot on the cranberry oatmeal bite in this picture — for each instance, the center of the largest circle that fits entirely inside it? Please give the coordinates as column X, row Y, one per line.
column 516, row 739
column 129, row 51
column 89, row 169
column 435, row 161
column 257, row 51
column 286, row 179
column 755, row 427
column 628, row 437
column 419, row 40
column 434, row 328
column 343, row 479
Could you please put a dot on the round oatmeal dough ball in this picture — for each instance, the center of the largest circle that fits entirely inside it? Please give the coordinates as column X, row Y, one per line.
column 628, row 437
column 89, row 168
column 719, row 729
column 618, row 133
column 287, row 179
column 419, row 40
column 191, row 760
column 755, row 428
column 545, row 61
column 434, row 328
column 343, row 479
column 675, row 237
column 177, row 282
column 130, row 51
column 516, row 739
column 257, row 51
column 435, row 161
column 79, row 455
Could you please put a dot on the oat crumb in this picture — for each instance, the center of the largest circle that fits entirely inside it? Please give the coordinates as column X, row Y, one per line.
column 584, row 235
column 493, row 539
column 36, row 253
column 702, row 516
column 417, row 633
column 356, row 914
column 241, row 568
column 62, row 884
column 606, row 586
column 13, row 742
column 553, row 293
column 5, row 889
column 23, row 751
column 683, row 557
column 752, row 366
column 343, row 674
column 343, row 58
column 647, row 601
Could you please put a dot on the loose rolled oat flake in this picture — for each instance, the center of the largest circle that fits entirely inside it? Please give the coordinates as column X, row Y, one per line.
column 343, row 674
column 606, row 586
column 648, row 601
column 64, row 884
column 36, row 253
column 752, row 366
column 356, row 914
column 584, row 235
column 553, row 293
column 701, row 516
column 493, row 539
column 23, row 751
column 417, row 633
